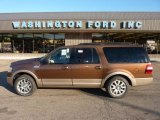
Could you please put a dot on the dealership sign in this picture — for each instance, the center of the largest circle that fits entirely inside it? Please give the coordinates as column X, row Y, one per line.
column 75, row 24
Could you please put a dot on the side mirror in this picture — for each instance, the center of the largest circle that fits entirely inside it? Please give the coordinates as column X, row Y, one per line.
column 44, row 61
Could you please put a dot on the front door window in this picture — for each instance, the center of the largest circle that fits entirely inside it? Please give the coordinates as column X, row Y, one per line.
column 61, row 56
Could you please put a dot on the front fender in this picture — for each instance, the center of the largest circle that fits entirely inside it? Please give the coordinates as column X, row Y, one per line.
column 37, row 80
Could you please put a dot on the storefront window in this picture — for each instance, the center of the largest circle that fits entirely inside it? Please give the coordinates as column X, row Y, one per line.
column 59, row 40
column 48, row 42
column 38, row 43
column 7, row 43
column 18, row 43
column 52, row 41
column 30, row 42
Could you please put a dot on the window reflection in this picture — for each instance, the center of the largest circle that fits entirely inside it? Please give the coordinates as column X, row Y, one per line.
column 59, row 40
column 7, row 43
column 38, row 43
column 18, row 43
column 48, row 42
column 30, row 43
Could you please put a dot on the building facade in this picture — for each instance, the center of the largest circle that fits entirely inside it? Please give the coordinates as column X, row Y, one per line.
column 43, row 32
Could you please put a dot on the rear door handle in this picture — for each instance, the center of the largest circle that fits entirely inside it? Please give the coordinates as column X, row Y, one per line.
column 98, row 67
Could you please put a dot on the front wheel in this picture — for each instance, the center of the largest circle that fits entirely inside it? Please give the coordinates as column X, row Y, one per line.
column 117, row 87
column 25, row 85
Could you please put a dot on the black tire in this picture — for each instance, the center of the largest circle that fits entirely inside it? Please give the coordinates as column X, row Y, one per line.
column 25, row 85
column 117, row 87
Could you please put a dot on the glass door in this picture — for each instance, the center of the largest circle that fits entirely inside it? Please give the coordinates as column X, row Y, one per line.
column 28, row 43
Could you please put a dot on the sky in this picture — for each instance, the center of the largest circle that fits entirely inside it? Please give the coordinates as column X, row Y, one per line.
column 12, row 6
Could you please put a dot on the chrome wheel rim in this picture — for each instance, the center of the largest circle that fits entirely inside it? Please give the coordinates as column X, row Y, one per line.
column 24, row 86
column 118, row 87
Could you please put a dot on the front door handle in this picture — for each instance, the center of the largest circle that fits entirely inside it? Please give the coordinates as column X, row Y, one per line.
column 65, row 67
column 98, row 67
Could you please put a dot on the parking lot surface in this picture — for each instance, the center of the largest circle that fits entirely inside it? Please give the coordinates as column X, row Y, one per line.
column 141, row 103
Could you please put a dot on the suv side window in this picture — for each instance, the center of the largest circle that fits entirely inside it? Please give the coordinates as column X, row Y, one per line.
column 85, row 56
column 61, row 56
column 126, row 55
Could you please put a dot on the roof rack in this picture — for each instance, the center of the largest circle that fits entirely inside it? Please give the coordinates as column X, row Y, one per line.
column 110, row 43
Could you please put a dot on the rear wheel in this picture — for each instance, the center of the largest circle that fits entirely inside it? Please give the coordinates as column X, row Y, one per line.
column 25, row 85
column 117, row 87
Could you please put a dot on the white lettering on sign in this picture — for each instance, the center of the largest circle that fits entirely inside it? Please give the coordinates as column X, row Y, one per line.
column 43, row 24
column 64, row 24
column 30, row 24
column 105, row 24
column 78, row 24
column 24, row 24
column 71, row 24
column 101, row 24
column 97, row 24
column 38, row 24
column 113, row 24
column 50, row 24
column 90, row 24
column 57, row 24
column 16, row 24
column 138, row 24
column 131, row 24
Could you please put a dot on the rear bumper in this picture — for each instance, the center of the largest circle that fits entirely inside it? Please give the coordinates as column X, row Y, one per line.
column 143, row 81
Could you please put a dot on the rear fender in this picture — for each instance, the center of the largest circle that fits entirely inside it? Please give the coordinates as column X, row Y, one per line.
column 128, row 75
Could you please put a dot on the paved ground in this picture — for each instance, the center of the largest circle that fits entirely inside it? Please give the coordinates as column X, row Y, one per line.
column 141, row 103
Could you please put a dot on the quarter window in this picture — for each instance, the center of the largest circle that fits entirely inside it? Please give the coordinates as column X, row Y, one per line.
column 126, row 54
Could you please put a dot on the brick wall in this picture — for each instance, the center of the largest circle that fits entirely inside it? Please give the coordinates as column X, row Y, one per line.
column 76, row 38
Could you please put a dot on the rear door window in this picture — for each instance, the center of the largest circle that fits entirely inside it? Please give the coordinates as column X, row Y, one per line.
column 85, row 56
column 126, row 55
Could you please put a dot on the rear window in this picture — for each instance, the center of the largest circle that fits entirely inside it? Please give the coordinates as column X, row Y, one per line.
column 126, row 55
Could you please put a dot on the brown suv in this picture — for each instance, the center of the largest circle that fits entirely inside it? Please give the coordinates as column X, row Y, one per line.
column 113, row 67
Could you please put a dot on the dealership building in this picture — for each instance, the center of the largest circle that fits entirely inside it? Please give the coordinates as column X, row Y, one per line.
column 43, row 32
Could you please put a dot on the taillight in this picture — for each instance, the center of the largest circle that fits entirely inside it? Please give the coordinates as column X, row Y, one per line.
column 149, row 69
